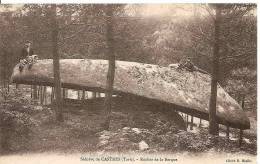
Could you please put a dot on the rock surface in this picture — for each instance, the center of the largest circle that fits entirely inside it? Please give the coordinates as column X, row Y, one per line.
column 188, row 90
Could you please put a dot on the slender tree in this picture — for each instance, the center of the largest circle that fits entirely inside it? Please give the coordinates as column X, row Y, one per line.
column 111, row 64
column 56, row 64
column 213, row 125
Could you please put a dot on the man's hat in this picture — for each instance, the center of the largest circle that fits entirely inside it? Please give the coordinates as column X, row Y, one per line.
column 28, row 41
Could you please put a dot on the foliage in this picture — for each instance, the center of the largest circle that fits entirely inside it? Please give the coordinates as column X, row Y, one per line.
column 242, row 85
column 127, row 139
column 158, row 40
column 15, row 121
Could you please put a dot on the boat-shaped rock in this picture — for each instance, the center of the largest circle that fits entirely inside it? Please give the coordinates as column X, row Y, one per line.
column 182, row 90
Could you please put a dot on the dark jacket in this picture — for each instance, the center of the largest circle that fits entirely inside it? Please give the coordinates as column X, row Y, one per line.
column 24, row 53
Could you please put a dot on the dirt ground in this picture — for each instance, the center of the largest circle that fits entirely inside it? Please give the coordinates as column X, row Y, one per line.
column 131, row 130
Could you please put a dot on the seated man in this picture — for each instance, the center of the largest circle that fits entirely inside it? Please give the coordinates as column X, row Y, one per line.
column 189, row 66
column 27, row 56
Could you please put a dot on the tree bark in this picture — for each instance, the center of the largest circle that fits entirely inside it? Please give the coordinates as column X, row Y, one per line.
column 191, row 123
column 56, row 64
column 45, row 95
column 4, row 68
column 213, row 125
column 83, row 95
column 111, row 65
column 35, row 95
column 52, row 94
column 227, row 134
column 240, row 137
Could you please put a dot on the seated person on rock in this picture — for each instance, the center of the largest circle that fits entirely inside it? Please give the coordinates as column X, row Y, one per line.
column 27, row 56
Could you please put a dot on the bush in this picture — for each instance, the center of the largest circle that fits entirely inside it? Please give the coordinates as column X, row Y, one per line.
column 15, row 122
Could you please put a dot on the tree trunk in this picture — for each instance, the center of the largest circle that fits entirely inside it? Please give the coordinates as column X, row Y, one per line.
column 35, row 92
column 94, row 95
column 213, row 125
column 4, row 67
column 52, row 94
column 191, row 123
column 45, row 95
column 83, row 95
column 111, row 65
column 56, row 64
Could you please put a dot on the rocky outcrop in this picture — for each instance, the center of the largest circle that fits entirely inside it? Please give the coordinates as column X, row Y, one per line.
column 183, row 90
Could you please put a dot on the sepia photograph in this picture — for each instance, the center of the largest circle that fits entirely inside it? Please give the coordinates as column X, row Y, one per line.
column 128, row 83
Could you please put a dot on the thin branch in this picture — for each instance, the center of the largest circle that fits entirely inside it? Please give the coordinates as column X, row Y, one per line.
column 237, row 56
column 75, row 34
column 72, row 22
column 71, row 36
column 212, row 15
